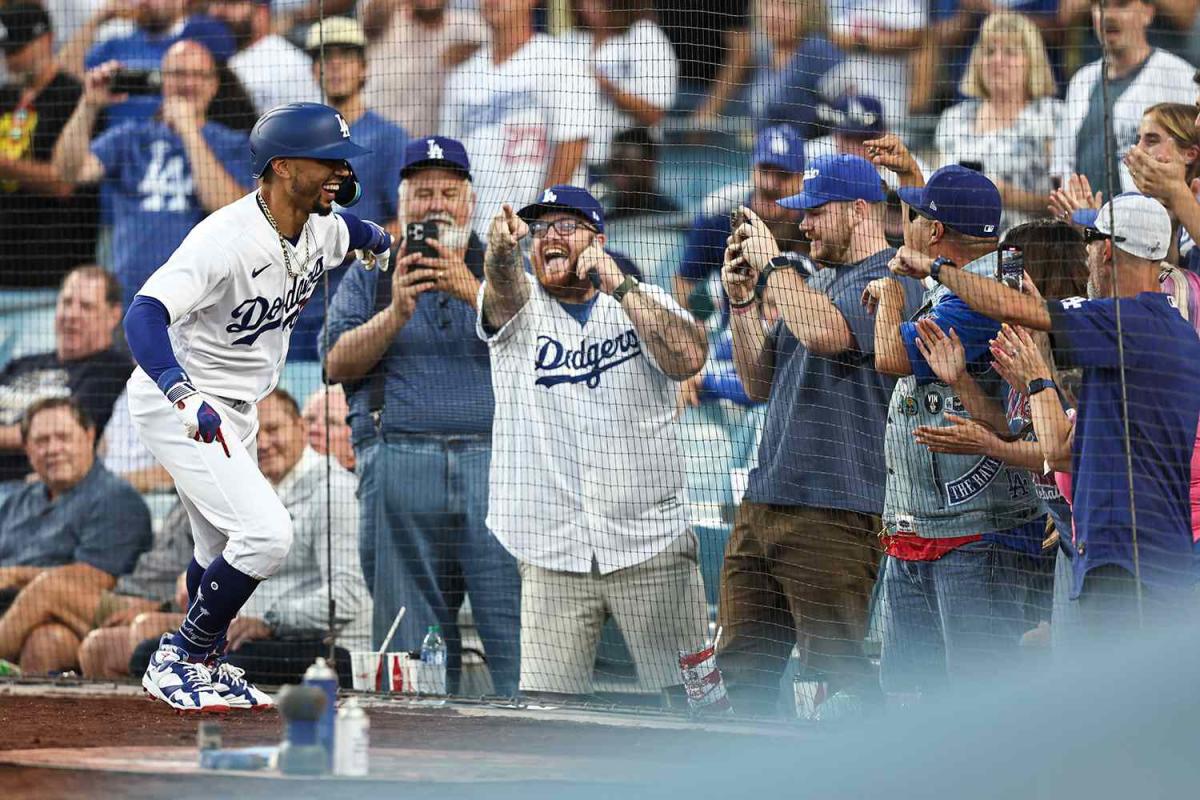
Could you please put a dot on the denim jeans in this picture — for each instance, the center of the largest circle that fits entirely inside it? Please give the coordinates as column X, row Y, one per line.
column 959, row 617
column 424, row 544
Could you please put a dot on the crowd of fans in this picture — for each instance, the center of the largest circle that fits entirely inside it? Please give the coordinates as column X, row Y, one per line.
column 936, row 448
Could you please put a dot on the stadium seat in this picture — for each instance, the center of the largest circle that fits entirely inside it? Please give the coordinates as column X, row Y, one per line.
column 26, row 322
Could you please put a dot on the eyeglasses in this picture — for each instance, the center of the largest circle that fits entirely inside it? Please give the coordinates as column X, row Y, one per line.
column 1092, row 235
column 563, row 227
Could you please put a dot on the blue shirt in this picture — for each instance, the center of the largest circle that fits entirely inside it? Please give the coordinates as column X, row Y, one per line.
column 1162, row 384
column 791, row 94
column 154, row 197
column 144, row 50
column 438, row 377
column 822, row 444
column 973, row 329
column 102, row 522
column 378, row 174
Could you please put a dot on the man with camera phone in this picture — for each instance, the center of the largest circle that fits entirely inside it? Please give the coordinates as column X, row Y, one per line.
column 420, row 390
column 166, row 173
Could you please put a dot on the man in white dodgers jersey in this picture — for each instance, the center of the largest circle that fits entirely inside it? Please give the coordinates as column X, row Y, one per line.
column 209, row 331
column 587, row 478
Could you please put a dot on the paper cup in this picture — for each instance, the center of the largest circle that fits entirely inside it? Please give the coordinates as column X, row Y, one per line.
column 365, row 670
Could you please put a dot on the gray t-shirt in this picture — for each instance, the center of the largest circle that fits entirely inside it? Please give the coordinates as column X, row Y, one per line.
column 1090, row 158
column 154, row 575
column 822, row 445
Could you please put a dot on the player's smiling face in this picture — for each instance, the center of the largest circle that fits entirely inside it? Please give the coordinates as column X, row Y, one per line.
column 315, row 182
column 554, row 254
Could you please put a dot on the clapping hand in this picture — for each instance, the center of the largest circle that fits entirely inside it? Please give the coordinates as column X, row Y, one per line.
column 1017, row 357
column 944, row 354
column 962, row 436
column 1074, row 195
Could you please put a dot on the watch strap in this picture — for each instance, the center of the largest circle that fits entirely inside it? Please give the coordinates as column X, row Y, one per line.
column 935, row 269
column 624, row 288
column 1038, row 385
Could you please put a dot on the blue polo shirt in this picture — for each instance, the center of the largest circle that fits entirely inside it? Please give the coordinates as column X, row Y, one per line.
column 438, row 377
column 1162, row 386
column 154, row 196
column 102, row 522
column 822, row 444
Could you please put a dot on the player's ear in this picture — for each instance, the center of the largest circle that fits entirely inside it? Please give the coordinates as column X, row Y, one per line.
column 281, row 167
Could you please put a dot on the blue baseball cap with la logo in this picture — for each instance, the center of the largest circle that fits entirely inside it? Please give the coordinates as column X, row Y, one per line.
column 436, row 152
column 961, row 199
column 780, row 146
column 575, row 199
column 837, row 178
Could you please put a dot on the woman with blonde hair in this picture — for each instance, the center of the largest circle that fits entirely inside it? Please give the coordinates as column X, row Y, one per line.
column 1165, row 164
column 1006, row 126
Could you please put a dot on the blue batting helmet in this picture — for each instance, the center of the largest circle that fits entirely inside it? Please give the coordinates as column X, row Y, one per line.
column 300, row 130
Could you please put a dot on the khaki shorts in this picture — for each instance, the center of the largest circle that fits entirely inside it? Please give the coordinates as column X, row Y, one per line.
column 110, row 603
column 659, row 606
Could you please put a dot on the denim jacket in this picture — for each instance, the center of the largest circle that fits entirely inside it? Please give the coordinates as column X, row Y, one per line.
column 940, row 495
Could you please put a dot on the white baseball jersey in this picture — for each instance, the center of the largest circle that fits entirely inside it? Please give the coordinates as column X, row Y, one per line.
column 511, row 116
column 585, row 461
column 232, row 302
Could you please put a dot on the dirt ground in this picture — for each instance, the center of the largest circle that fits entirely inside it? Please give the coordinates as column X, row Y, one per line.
column 31, row 722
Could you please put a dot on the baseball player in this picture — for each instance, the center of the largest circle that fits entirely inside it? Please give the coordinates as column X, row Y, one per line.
column 209, row 330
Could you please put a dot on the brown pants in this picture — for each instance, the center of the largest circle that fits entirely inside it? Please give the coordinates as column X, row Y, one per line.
column 796, row 576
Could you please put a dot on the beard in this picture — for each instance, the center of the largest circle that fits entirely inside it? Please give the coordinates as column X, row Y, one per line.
column 565, row 284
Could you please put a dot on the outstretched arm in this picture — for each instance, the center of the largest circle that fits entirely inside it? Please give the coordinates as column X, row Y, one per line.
column 505, row 288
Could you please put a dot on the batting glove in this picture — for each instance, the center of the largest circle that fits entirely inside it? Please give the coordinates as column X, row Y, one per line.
column 200, row 420
column 378, row 252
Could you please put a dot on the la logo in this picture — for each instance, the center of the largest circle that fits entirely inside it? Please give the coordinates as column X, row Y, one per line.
column 345, row 128
column 549, row 196
column 434, row 152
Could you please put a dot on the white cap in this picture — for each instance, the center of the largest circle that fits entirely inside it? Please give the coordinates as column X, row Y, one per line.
column 1140, row 225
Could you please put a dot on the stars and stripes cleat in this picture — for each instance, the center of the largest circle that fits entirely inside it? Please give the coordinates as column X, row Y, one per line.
column 235, row 690
column 184, row 685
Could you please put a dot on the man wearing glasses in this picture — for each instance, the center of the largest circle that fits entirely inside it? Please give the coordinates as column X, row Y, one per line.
column 954, row 525
column 587, row 487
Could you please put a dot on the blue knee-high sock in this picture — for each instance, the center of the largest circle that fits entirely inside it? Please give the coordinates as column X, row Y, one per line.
column 195, row 574
column 222, row 592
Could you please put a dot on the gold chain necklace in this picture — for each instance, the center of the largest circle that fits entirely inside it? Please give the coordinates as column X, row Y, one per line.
column 284, row 245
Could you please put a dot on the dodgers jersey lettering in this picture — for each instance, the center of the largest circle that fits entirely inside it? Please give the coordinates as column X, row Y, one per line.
column 231, row 300
column 583, row 436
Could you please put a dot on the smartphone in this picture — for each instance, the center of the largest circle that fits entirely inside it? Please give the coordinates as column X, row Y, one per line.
column 736, row 220
column 136, row 81
column 1012, row 268
column 417, row 236
column 975, row 165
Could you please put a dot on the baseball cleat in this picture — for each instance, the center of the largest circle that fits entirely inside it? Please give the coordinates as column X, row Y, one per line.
column 184, row 685
column 235, row 690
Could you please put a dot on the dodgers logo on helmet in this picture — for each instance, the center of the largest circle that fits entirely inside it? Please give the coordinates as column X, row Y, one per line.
column 301, row 130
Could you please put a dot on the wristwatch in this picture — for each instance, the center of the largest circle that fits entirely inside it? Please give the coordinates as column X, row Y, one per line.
column 624, row 288
column 935, row 268
column 1039, row 384
column 802, row 265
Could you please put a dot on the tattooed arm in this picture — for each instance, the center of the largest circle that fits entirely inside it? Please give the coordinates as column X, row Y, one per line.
column 505, row 287
column 675, row 340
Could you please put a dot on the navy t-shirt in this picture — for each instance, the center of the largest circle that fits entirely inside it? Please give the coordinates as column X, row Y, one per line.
column 822, row 444
column 1162, row 387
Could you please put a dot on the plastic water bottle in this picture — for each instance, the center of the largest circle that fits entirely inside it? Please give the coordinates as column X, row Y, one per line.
column 321, row 676
column 433, row 661
column 352, row 740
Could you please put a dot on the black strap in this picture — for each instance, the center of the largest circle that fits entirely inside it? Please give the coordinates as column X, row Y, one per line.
column 377, row 377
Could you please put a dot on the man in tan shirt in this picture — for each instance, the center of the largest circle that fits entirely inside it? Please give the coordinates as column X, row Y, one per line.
column 416, row 44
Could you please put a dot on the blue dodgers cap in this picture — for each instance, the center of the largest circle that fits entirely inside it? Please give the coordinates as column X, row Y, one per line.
column 780, row 146
column 836, row 179
column 855, row 115
column 436, row 152
column 575, row 199
column 961, row 199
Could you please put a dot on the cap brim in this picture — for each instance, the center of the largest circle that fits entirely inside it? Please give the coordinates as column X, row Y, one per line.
column 913, row 196
column 1086, row 217
column 534, row 210
column 435, row 163
column 805, row 201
